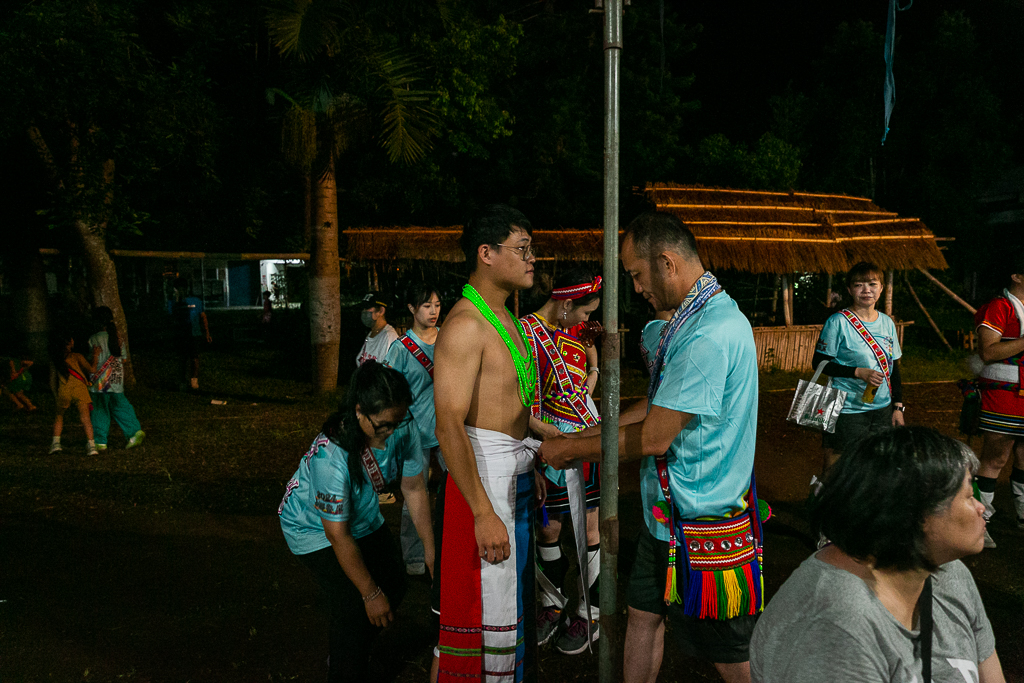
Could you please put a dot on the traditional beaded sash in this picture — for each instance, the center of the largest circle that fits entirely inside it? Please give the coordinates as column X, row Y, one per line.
column 418, row 353
column 883, row 361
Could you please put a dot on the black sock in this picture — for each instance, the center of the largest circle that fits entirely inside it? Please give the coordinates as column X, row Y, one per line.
column 1016, row 475
column 986, row 484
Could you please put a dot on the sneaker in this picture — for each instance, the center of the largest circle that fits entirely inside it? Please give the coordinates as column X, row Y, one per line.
column 416, row 569
column 136, row 439
column 91, row 450
column 989, row 541
column 547, row 624
column 574, row 640
column 386, row 498
column 101, row 447
column 55, row 448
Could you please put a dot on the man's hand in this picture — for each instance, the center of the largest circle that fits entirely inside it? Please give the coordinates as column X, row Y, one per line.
column 872, row 377
column 544, row 430
column 556, row 453
column 897, row 418
column 541, row 482
column 492, row 538
column 378, row 611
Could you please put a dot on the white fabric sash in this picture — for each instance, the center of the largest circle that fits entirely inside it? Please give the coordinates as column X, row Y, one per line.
column 500, row 459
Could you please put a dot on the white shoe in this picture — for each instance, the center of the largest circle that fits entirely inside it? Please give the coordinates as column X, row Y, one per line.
column 55, row 448
column 91, row 450
column 989, row 541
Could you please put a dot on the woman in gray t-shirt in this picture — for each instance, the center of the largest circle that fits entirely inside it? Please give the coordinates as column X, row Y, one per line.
column 898, row 508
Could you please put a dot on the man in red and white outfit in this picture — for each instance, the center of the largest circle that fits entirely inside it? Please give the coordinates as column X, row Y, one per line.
column 1000, row 325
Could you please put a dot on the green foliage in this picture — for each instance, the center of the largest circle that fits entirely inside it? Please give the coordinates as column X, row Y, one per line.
column 773, row 164
column 100, row 112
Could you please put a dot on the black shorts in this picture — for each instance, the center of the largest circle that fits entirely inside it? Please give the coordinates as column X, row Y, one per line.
column 558, row 496
column 724, row 641
column 852, row 427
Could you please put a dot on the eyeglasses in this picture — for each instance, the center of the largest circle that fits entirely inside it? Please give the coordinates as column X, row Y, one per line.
column 382, row 427
column 525, row 253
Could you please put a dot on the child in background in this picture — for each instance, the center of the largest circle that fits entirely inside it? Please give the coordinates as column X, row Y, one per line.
column 107, row 388
column 68, row 373
column 16, row 381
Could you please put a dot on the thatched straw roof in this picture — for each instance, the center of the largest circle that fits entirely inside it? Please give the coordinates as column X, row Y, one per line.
column 777, row 232
column 757, row 232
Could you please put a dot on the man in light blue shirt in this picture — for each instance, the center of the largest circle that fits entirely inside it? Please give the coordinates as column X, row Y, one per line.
column 703, row 416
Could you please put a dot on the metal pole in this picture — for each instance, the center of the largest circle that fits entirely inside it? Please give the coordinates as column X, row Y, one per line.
column 608, row 663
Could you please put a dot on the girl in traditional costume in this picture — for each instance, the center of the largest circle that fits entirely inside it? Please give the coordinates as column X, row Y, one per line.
column 331, row 519
column 567, row 374
column 69, row 372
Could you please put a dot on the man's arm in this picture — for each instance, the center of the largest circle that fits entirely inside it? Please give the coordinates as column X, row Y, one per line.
column 991, row 671
column 458, row 356
column 651, row 436
column 415, row 492
column 993, row 349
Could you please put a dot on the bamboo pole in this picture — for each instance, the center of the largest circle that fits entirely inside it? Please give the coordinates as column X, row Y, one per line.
column 925, row 311
column 949, row 291
column 889, row 274
column 787, row 299
column 828, row 292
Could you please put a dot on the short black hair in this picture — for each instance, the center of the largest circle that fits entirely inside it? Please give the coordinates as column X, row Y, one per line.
column 862, row 270
column 491, row 225
column 419, row 293
column 654, row 231
column 876, row 498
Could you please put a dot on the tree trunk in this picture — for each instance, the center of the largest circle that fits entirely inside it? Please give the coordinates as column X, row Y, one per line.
column 30, row 305
column 102, row 277
column 325, row 284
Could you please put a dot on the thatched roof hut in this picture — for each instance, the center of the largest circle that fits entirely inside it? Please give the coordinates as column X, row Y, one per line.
column 756, row 232
column 778, row 232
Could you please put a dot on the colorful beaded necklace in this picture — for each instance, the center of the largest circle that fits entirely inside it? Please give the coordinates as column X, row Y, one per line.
column 526, row 368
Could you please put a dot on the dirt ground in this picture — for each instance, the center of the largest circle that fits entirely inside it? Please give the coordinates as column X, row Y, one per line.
column 166, row 562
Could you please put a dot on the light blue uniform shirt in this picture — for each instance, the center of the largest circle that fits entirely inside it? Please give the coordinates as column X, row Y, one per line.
column 710, row 372
column 420, row 384
column 321, row 489
column 843, row 342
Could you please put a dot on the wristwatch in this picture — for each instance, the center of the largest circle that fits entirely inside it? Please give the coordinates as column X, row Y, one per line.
column 901, row 408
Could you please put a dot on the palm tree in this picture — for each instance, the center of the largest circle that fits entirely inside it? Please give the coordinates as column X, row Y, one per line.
column 329, row 105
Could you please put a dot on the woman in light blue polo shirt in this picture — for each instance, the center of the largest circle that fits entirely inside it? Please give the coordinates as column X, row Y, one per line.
column 874, row 393
column 331, row 519
column 413, row 356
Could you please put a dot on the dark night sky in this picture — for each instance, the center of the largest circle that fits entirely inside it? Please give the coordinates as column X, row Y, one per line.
column 750, row 50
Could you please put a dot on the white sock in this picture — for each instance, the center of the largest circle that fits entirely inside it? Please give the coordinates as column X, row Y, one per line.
column 1018, row 497
column 90, row 443
column 56, row 439
column 594, row 575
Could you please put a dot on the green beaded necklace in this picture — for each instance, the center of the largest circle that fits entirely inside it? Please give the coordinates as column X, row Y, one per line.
column 526, row 368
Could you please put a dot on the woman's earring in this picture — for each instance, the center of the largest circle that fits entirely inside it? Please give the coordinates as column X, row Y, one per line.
column 565, row 314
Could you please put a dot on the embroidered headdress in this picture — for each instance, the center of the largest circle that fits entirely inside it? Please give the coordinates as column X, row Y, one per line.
column 577, row 291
